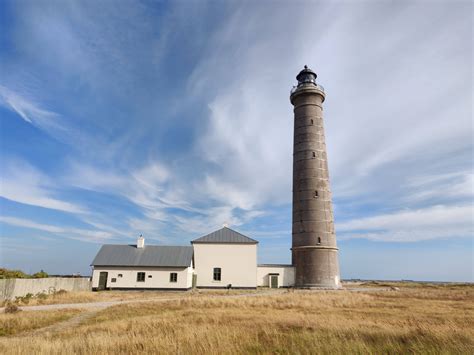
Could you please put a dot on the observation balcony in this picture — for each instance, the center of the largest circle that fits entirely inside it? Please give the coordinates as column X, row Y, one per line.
column 308, row 83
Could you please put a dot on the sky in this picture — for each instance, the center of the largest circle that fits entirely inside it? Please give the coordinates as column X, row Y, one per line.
column 171, row 119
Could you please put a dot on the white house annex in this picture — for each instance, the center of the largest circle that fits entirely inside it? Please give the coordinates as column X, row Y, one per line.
column 222, row 259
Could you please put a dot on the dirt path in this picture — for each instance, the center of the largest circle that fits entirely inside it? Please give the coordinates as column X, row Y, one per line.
column 64, row 325
column 106, row 304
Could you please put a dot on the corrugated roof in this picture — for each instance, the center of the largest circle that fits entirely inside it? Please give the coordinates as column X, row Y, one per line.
column 225, row 235
column 150, row 255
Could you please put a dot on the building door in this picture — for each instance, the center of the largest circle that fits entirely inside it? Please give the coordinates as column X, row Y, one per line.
column 102, row 280
column 273, row 281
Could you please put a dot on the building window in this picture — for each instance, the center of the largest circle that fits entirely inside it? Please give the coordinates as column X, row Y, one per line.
column 174, row 277
column 113, row 279
column 140, row 277
column 316, row 193
column 312, row 122
column 149, row 276
column 217, row 274
column 120, row 275
column 314, row 154
column 319, row 240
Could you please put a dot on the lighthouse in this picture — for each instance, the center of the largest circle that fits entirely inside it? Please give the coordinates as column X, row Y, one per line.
column 314, row 248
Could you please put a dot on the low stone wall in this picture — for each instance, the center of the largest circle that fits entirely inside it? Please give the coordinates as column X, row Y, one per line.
column 11, row 288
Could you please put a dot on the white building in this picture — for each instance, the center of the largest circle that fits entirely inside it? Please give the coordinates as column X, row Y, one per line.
column 225, row 258
column 143, row 267
column 222, row 259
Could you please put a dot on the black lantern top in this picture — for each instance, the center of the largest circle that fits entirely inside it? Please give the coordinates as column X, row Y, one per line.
column 306, row 76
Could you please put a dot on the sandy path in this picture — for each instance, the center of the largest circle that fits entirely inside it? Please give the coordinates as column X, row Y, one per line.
column 64, row 325
column 106, row 304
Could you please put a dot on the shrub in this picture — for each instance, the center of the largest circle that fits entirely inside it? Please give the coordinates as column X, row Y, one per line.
column 41, row 296
column 25, row 299
column 12, row 274
column 40, row 275
column 18, row 274
column 11, row 308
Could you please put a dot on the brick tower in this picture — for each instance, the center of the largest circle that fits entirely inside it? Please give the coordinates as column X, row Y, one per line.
column 314, row 249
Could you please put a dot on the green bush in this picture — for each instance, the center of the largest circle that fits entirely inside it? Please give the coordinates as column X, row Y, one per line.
column 18, row 274
column 40, row 275
column 25, row 299
column 12, row 274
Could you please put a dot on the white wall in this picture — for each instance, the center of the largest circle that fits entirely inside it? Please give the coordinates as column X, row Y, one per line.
column 160, row 277
column 286, row 277
column 11, row 288
column 238, row 263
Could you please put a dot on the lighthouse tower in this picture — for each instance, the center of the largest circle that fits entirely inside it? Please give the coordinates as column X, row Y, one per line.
column 314, row 249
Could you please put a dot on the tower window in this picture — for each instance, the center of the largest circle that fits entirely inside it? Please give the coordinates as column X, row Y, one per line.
column 312, row 122
column 316, row 193
column 319, row 240
column 314, row 154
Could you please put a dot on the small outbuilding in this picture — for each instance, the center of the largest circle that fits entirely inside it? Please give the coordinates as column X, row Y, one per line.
column 143, row 267
column 275, row 275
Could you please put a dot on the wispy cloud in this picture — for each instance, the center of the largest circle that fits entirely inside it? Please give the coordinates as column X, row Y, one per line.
column 66, row 232
column 21, row 182
column 412, row 225
column 441, row 187
column 23, row 107
column 30, row 111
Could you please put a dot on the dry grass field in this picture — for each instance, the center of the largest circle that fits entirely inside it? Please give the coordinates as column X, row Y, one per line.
column 421, row 319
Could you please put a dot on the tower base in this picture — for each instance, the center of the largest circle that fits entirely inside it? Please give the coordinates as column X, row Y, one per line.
column 316, row 268
column 320, row 288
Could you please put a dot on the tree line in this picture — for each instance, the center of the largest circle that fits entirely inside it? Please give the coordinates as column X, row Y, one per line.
column 18, row 274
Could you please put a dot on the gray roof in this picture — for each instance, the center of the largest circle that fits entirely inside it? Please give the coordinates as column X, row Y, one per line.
column 150, row 255
column 225, row 235
column 275, row 265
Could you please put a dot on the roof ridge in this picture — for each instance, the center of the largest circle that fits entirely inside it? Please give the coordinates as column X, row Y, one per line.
column 225, row 235
column 147, row 245
column 233, row 230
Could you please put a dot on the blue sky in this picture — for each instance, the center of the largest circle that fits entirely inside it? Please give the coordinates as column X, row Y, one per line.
column 169, row 119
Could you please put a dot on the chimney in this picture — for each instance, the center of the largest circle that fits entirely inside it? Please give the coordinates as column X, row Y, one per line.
column 140, row 242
